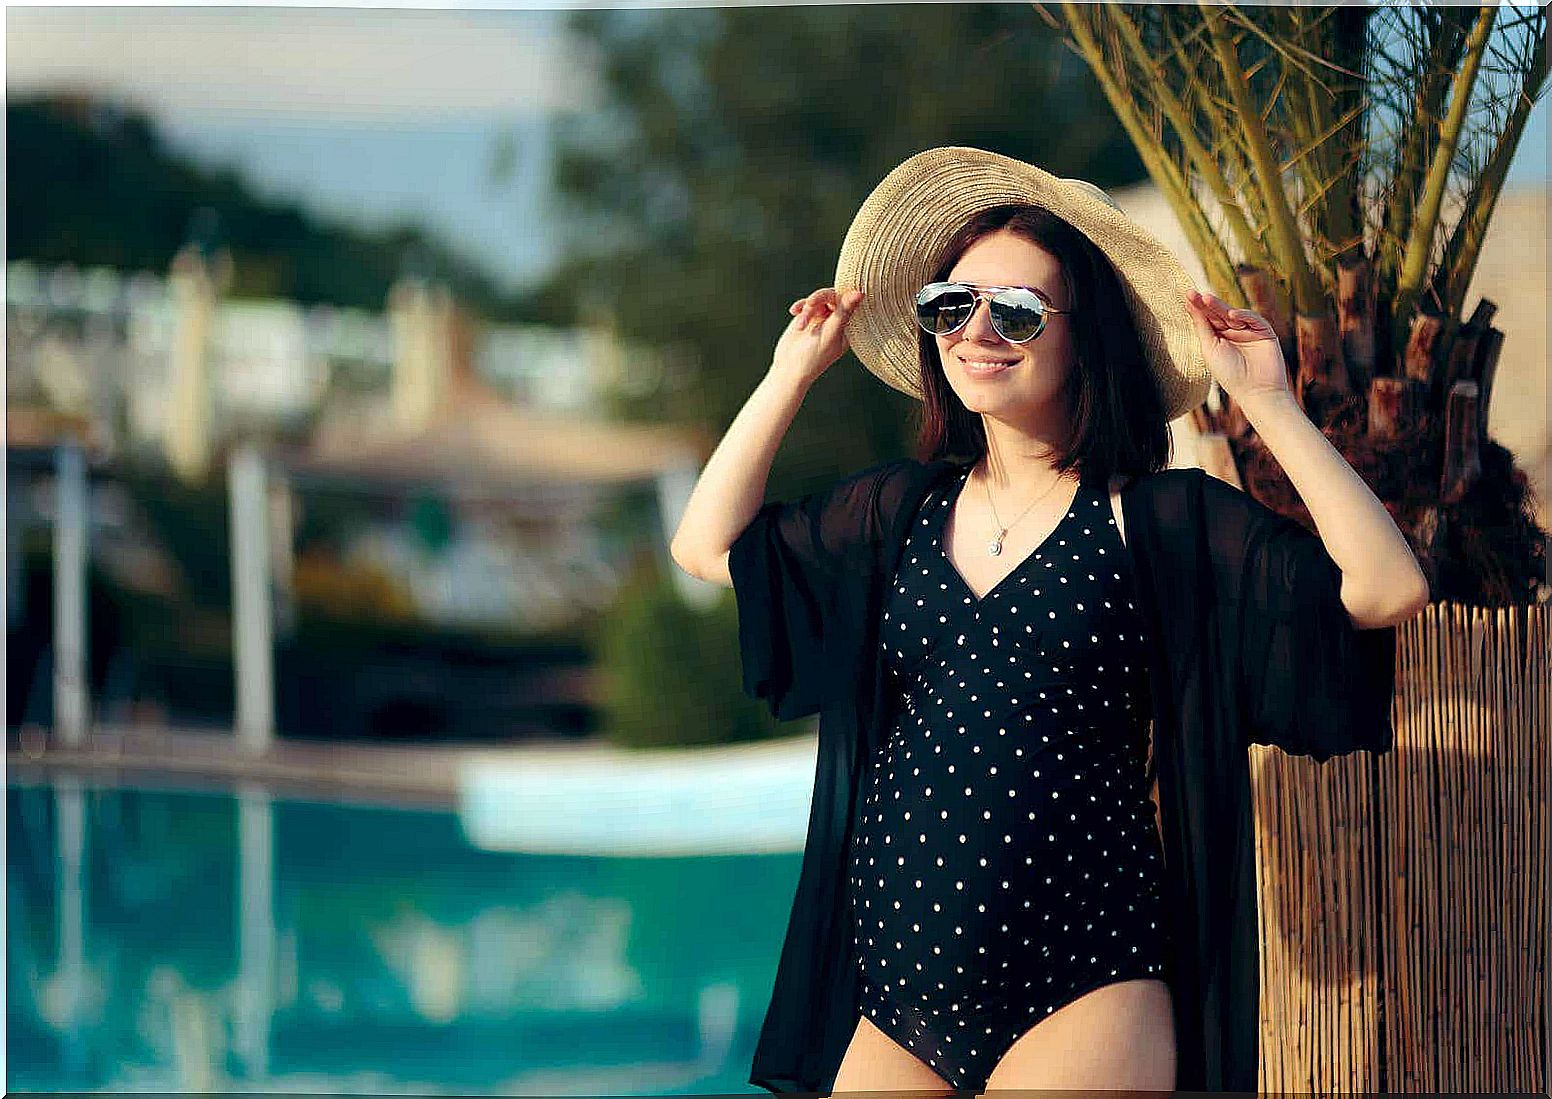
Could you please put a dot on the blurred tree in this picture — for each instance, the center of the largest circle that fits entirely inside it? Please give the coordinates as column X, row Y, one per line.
column 93, row 183
column 734, row 146
column 671, row 672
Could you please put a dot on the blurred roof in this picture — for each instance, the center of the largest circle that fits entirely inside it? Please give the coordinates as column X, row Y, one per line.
column 33, row 426
column 479, row 436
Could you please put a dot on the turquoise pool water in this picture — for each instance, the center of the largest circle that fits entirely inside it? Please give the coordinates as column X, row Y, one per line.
column 194, row 941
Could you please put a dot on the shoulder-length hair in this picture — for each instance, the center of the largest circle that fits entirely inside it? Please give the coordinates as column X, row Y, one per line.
column 1117, row 411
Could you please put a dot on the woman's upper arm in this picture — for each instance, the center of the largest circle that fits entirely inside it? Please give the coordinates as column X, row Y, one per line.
column 1311, row 682
column 718, row 572
column 784, row 569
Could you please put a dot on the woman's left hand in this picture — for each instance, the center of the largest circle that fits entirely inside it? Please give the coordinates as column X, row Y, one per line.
column 1240, row 347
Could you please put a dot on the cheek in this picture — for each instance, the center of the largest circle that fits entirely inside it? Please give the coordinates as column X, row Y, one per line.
column 1052, row 370
column 1060, row 354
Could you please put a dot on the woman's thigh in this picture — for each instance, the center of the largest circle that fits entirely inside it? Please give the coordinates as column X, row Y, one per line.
column 1119, row 1036
column 876, row 1062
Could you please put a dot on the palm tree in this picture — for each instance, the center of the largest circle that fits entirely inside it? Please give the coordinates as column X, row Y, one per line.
column 1335, row 168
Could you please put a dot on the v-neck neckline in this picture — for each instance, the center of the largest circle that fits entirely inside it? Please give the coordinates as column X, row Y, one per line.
column 948, row 509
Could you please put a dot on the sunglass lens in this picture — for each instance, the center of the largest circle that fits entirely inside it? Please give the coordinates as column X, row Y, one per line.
column 942, row 309
column 1017, row 315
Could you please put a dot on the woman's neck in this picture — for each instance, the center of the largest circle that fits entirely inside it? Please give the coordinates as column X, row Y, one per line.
column 1019, row 459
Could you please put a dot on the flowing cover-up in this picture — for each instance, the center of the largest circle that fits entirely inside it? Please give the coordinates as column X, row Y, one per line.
column 1249, row 643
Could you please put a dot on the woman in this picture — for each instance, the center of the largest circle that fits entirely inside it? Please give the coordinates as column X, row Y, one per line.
column 987, row 900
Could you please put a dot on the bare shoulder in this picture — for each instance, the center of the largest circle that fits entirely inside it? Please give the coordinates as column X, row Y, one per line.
column 1118, row 481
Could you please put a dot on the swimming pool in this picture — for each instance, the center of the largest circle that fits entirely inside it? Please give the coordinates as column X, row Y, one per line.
column 184, row 940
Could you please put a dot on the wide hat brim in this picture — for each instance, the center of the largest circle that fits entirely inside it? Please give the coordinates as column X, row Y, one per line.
column 900, row 231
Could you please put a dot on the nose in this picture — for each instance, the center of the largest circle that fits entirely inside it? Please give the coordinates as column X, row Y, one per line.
column 979, row 326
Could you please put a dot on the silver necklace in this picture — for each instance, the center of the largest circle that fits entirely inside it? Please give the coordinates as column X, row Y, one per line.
column 994, row 547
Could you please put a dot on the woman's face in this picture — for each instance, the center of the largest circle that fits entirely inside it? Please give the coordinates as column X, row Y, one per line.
column 989, row 374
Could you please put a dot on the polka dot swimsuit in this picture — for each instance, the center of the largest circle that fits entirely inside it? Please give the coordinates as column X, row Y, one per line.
column 1007, row 859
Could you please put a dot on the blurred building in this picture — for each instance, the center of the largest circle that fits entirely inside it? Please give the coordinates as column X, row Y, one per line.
column 435, row 484
column 491, row 507
column 99, row 343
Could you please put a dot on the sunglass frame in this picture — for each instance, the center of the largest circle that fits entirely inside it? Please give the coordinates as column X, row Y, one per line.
column 979, row 293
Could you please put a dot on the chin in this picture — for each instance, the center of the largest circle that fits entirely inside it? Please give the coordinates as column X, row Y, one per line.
column 1012, row 406
column 975, row 400
column 987, row 397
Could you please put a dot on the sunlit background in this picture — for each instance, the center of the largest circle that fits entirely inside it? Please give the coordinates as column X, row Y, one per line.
column 361, row 734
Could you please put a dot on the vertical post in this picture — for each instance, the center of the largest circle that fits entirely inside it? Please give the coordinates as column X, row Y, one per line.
column 252, row 653
column 71, row 520
column 282, row 539
column 192, row 285
column 15, row 577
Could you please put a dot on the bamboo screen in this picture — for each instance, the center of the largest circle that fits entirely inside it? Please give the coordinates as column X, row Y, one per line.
column 1403, row 897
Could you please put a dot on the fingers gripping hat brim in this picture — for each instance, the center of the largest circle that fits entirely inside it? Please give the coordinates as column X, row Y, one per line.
column 900, row 231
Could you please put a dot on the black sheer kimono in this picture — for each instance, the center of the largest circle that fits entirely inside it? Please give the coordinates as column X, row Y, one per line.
column 1249, row 641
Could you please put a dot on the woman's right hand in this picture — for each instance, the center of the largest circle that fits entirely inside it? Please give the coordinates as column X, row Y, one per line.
column 817, row 335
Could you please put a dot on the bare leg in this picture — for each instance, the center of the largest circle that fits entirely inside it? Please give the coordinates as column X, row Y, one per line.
column 1120, row 1036
column 876, row 1062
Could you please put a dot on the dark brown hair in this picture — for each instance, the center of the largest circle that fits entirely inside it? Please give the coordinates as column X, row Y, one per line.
column 1118, row 414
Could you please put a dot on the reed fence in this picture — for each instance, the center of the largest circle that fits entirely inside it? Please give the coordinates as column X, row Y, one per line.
column 1403, row 896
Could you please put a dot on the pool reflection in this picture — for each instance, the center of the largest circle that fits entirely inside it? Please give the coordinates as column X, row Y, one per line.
column 190, row 941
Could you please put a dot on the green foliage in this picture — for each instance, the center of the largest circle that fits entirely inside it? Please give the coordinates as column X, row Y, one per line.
column 672, row 672
column 734, row 147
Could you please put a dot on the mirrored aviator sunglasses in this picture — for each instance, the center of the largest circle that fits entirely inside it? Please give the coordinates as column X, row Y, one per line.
column 1018, row 314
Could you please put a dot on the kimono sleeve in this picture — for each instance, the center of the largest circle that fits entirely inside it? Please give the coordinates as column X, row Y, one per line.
column 786, row 567
column 1311, row 683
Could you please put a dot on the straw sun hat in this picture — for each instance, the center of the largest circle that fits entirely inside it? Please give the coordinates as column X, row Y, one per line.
column 898, row 235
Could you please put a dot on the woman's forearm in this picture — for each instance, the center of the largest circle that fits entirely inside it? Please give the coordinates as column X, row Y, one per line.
column 1382, row 583
column 732, row 485
column 731, row 488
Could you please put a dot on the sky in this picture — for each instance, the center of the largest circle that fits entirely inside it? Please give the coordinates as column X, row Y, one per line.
column 371, row 115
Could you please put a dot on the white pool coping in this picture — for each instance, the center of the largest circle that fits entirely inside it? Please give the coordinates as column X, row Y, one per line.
column 603, row 800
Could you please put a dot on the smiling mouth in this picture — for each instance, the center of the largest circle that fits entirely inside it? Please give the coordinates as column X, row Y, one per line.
column 986, row 366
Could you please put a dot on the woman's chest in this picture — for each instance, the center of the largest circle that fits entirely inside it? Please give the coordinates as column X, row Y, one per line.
column 1068, row 600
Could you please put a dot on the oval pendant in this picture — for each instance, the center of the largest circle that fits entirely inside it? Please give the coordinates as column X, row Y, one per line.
column 994, row 549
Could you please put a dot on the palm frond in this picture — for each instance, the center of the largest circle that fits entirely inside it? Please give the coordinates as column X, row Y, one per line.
column 1165, row 172
column 1283, row 236
column 1421, row 235
column 1453, row 274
